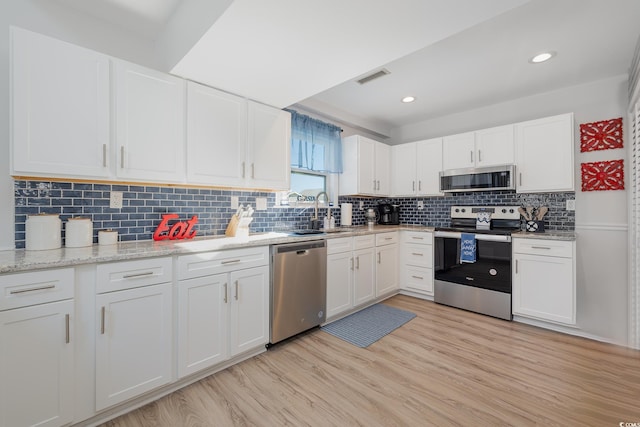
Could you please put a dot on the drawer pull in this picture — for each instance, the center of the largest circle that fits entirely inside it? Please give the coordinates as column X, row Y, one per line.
column 417, row 254
column 541, row 247
column 136, row 275
column 102, row 310
column 236, row 290
column 417, row 238
column 40, row 288
column 66, row 329
column 233, row 261
column 418, row 277
column 225, row 293
column 388, row 238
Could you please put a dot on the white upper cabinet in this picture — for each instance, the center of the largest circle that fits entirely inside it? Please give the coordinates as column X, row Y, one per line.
column 365, row 167
column 544, row 154
column 416, row 167
column 486, row 147
column 268, row 163
column 216, row 135
column 150, row 124
column 60, row 108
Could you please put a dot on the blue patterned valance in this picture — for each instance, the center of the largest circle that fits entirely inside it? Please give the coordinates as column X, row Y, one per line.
column 315, row 145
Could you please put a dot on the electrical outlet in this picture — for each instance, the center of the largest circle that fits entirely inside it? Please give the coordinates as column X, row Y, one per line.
column 420, row 204
column 261, row 203
column 115, row 200
column 571, row 205
column 234, row 202
column 361, row 205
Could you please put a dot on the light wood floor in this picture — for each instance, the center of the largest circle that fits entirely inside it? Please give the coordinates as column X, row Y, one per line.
column 444, row 367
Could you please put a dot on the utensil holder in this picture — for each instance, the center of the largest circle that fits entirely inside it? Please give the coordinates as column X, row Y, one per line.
column 535, row 226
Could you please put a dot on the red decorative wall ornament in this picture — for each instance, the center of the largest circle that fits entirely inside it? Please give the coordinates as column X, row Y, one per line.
column 604, row 135
column 178, row 231
column 601, row 176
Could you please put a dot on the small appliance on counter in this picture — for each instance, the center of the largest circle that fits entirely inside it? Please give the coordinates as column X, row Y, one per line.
column 388, row 214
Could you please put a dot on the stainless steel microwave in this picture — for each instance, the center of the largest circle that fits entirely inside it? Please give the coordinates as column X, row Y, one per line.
column 478, row 179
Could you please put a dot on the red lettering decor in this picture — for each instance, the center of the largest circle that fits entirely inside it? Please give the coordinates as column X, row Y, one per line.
column 178, row 231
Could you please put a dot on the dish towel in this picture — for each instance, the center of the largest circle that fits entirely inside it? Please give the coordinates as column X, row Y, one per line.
column 467, row 247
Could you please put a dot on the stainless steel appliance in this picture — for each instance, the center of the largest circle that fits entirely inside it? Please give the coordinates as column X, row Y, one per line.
column 388, row 214
column 481, row 283
column 298, row 288
column 478, row 179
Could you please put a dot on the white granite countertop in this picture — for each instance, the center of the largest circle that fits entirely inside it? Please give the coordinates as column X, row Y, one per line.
column 23, row 260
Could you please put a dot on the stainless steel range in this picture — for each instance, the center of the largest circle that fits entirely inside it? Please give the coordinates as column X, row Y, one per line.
column 473, row 259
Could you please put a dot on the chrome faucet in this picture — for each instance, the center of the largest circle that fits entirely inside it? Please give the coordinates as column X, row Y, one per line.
column 318, row 197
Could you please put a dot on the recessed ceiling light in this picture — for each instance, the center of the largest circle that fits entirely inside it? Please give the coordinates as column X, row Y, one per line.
column 408, row 99
column 542, row 57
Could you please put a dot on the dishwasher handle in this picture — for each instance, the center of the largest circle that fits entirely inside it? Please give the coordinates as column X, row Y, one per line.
column 299, row 248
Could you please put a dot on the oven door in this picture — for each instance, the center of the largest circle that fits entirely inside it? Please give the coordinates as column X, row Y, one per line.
column 491, row 270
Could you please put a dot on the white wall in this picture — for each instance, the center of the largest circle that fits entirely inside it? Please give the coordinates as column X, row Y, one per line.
column 51, row 18
column 601, row 216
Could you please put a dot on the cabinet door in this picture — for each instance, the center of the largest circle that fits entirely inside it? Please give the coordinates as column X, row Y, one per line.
column 494, row 146
column 37, row 369
column 544, row 154
column 458, row 151
column 386, row 269
column 60, row 108
column 382, row 164
column 429, row 165
column 364, row 284
column 150, row 124
column 339, row 283
column 202, row 322
column 544, row 288
column 269, row 148
column 403, row 164
column 133, row 343
column 249, row 319
column 366, row 166
column 216, row 136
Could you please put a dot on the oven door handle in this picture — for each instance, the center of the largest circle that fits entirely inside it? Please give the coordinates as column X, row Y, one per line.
column 482, row 237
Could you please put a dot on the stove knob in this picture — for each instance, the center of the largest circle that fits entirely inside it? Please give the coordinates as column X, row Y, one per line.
column 464, row 210
column 504, row 211
column 457, row 210
column 511, row 211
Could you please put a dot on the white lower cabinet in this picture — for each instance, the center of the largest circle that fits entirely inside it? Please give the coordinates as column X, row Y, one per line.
column 134, row 337
column 223, row 306
column 386, row 263
column 364, row 270
column 416, row 262
column 544, row 285
column 37, row 348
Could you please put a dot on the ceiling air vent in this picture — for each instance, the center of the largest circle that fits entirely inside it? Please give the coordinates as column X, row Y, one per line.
column 373, row 76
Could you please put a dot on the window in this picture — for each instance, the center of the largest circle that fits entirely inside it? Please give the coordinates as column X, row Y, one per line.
column 307, row 185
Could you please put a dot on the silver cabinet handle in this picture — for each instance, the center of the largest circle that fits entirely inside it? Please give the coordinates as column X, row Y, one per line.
column 225, row 293
column 136, row 275
column 243, row 169
column 516, row 266
column 471, row 152
column 388, row 238
column 253, row 171
column 414, row 186
column 541, row 247
column 230, row 261
column 418, row 277
column 351, row 259
column 417, row 238
column 102, row 314
column 417, row 254
column 420, row 185
column 236, row 291
column 378, row 184
column 66, row 329
column 479, row 156
column 40, row 288
column 104, row 155
column 358, row 263
column 122, row 157
column 520, row 178
column 379, row 257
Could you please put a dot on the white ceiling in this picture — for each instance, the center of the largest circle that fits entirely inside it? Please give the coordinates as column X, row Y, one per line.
column 453, row 55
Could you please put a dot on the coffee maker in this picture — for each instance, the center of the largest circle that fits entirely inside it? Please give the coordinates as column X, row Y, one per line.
column 388, row 214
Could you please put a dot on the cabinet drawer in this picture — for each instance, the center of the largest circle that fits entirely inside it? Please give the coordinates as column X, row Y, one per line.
column 555, row 248
column 418, row 237
column 132, row 274
column 386, row 238
column 363, row 242
column 208, row 263
column 37, row 287
column 417, row 255
column 417, row 279
column 341, row 244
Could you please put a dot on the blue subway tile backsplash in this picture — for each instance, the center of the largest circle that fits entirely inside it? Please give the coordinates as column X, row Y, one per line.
column 143, row 206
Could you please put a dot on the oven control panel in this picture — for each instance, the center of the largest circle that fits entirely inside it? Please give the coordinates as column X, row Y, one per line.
column 497, row 212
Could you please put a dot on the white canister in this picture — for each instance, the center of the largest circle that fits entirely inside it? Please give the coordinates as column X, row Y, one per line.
column 43, row 232
column 78, row 233
column 107, row 237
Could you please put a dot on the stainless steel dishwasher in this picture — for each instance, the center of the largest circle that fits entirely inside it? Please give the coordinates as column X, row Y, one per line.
column 298, row 288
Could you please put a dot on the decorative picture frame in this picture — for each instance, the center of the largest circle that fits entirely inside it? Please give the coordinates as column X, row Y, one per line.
column 602, row 135
column 603, row 176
